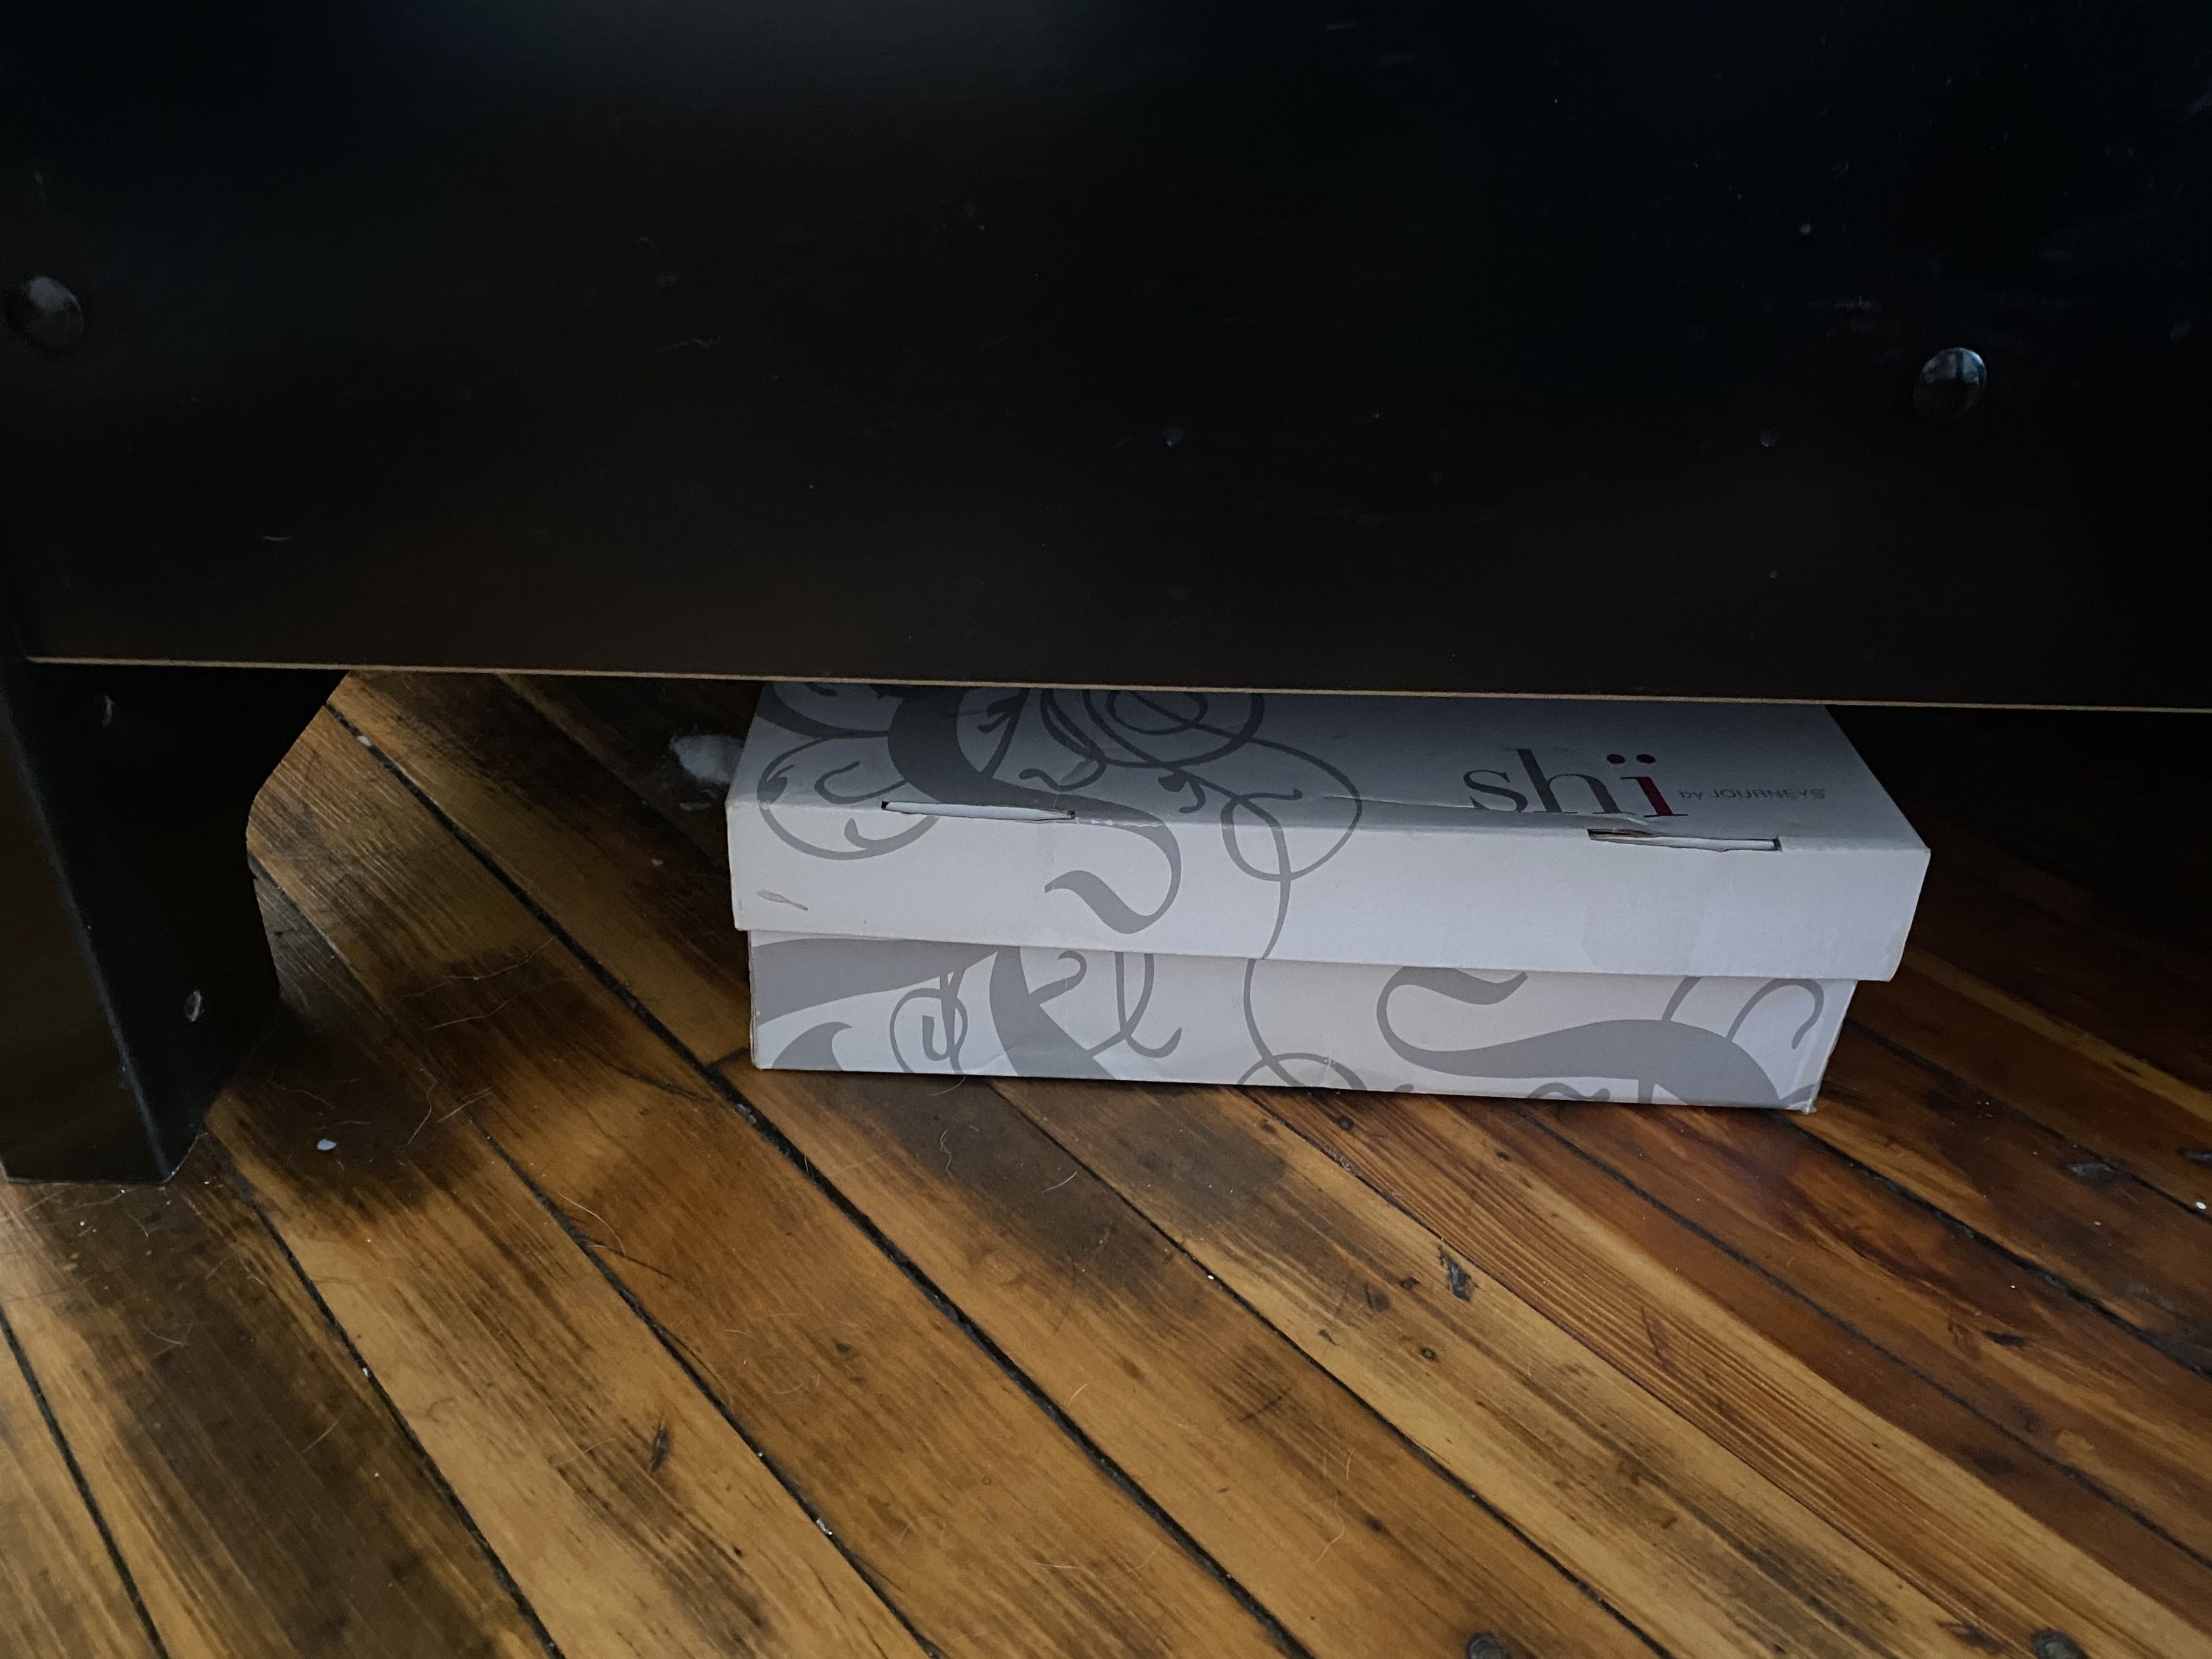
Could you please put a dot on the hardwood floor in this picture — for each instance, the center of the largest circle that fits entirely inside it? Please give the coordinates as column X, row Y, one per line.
column 508, row 1309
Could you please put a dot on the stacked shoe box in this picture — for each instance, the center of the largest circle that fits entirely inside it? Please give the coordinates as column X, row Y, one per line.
column 1571, row 900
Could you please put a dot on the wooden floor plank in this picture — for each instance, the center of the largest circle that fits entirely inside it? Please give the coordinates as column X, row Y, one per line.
column 59, row 1590
column 635, row 1519
column 2158, row 1129
column 1879, row 1382
column 2061, row 1375
column 2030, row 1021
column 2089, row 1223
column 489, row 759
column 1978, row 785
column 2100, row 1440
column 2178, row 946
column 629, row 725
column 2088, row 978
column 1945, row 1498
column 1301, row 1492
column 992, row 1530
column 2055, row 1372
column 2110, row 1103
column 1303, row 1495
column 257, row 1487
column 2099, row 917
column 1706, row 1553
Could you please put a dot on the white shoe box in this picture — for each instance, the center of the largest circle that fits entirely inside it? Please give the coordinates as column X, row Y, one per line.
column 1661, row 902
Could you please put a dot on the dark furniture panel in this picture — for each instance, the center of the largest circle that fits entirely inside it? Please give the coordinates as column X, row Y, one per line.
column 1514, row 347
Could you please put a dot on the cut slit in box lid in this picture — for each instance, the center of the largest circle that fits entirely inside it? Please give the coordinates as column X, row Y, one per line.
column 1562, row 836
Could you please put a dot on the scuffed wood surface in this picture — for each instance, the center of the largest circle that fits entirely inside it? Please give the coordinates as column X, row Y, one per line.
column 670, row 1355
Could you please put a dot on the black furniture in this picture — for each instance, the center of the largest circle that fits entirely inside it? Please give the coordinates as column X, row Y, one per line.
column 1849, row 353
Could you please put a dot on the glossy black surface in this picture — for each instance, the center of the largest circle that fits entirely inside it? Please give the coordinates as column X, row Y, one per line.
column 1530, row 347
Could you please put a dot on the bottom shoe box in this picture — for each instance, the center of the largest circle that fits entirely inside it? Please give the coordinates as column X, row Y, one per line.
column 879, row 1004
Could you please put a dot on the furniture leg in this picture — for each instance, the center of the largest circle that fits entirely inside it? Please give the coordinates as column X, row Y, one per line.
column 134, row 971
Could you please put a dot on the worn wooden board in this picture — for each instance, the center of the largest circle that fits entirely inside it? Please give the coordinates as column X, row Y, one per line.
column 2097, row 804
column 1302, row 1492
column 1706, row 1553
column 630, row 1513
column 1945, row 1498
column 2057, row 1374
column 2086, row 1222
column 1305, row 1498
column 993, row 1530
column 60, row 1592
column 2116, row 899
column 1974, row 1449
column 258, row 1489
column 2156, row 1128
column 474, row 748
column 2089, row 978
column 629, row 725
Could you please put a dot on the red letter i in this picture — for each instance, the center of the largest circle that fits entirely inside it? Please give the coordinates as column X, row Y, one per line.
column 1659, row 807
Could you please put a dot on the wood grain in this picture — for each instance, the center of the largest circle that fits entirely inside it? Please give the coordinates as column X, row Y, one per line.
column 263, row 1498
column 489, row 760
column 1388, row 1370
column 59, row 1590
column 2104, row 1101
column 2085, row 899
column 990, row 1527
column 2097, row 801
column 2063, row 1374
column 2089, row 979
column 1304, row 1496
column 632, row 1515
column 1706, row 1553
column 2062, row 874
column 628, row 725
column 2057, row 1374
column 1946, row 1498
column 2084, row 1221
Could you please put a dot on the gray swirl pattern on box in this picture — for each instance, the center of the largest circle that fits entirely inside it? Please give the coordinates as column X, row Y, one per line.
column 1467, row 834
column 834, row 1004
column 823, row 763
column 1205, row 754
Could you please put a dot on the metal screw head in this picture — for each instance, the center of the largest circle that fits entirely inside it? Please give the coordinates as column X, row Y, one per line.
column 2056, row 1644
column 46, row 314
column 1950, row 383
column 1487, row 1646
